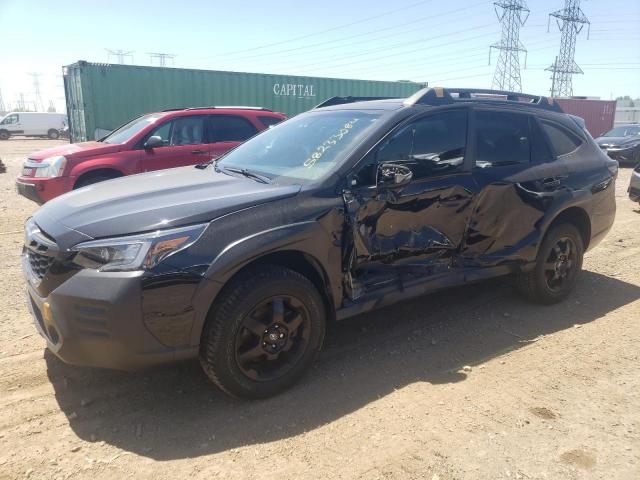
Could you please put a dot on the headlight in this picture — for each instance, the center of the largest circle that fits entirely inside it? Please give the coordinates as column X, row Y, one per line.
column 51, row 167
column 139, row 252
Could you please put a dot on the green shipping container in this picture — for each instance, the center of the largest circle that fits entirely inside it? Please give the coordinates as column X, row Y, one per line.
column 101, row 97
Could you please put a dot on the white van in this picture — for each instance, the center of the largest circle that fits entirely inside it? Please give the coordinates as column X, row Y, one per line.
column 35, row 124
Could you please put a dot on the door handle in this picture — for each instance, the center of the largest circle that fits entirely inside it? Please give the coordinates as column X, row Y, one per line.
column 199, row 152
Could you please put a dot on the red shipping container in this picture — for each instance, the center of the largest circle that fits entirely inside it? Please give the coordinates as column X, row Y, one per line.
column 598, row 115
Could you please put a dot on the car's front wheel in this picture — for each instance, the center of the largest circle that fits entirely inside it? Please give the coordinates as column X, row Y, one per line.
column 263, row 333
column 4, row 135
column 53, row 134
column 557, row 267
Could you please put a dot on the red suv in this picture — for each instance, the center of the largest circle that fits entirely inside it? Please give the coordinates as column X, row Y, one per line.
column 172, row 138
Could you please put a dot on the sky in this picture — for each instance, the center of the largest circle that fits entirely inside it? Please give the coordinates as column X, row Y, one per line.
column 443, row 43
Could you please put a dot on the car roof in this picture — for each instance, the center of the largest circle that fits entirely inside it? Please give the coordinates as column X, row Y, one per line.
column 438, row 96
column 386, row 104
column 219, row 110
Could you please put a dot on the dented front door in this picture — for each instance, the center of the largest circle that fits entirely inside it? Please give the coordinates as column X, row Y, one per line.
column 416, row 228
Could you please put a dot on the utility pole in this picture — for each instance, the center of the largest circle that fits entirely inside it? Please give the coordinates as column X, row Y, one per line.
column 512, row 14
column 21, row 104
column 2, row 106
column 37, row 102
column 120, row 55
column 570, row 21
column 553, row 77
column 162, row 58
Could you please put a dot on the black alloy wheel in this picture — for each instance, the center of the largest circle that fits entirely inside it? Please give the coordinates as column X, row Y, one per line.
column 272, row 338
column 557, row 267
column 560, row 264
column 263, row 332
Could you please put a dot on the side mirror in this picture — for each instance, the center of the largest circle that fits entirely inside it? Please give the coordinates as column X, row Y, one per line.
column 391, row 175
column 153, row 142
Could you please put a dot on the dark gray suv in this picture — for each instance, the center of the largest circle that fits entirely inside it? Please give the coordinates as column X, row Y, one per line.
column 349, row 207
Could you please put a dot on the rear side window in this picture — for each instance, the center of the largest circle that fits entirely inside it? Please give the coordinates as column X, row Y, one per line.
column 502, row 138
column 230, row 128
column 269, row 121
column 562, row 140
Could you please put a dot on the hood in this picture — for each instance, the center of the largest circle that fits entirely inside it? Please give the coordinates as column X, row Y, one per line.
column 617, row 141
column 76, row 150
column 162, row 199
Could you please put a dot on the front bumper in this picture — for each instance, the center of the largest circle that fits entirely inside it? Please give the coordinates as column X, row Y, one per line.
column 41, row 190
column 95, row 319
column 28, row 190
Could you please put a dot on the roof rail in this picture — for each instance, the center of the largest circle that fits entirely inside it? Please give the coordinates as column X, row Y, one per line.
column 342, row 100
column 239, row 107
column 445, row 96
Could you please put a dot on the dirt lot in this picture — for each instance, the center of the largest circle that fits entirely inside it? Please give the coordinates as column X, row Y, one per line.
column 552, row 393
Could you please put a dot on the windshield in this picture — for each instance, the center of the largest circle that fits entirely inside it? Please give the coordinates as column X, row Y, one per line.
column 623, row 131
column 128, row 130
column 306, row 147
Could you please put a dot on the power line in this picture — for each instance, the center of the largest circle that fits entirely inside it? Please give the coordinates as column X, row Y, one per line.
column 162, row 58
column 332, row 29
column 513, row 15
column 570, row 21
column 302, row 50
column 120, row 55
column 422, row 48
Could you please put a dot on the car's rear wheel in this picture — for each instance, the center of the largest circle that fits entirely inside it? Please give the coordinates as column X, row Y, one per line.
column 557, row 267
column 263, row 333
column 53, row 134
column 4, row 135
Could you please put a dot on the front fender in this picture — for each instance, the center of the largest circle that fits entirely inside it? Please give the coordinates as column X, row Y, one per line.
column 317, row 237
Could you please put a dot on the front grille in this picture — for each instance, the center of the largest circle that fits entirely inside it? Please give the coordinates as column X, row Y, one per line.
column 39, row 263
column 40, row 250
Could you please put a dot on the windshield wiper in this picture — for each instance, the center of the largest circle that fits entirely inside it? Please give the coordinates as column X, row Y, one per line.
column 204, row 165
column 249, row 174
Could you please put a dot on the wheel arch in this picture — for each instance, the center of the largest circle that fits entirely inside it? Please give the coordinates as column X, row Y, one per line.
column 295, row 259
column 579, row 218
column 96, row 171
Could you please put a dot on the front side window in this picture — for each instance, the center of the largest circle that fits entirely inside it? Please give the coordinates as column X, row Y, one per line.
column 230, row 128
column 502, row 138
column 127, row 131
column 307, row 147
column 10, row 119
column 187, row 131
column 562, row 140
column 163, row 131
column 431, row 146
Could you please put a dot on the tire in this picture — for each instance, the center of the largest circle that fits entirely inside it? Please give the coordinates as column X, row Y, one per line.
column 90, row 180
column 4, row 135
column 53, row 134
column 234, row 331
column 553, row 278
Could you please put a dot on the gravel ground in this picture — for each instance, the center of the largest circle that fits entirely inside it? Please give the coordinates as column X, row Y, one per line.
column 472, row 383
